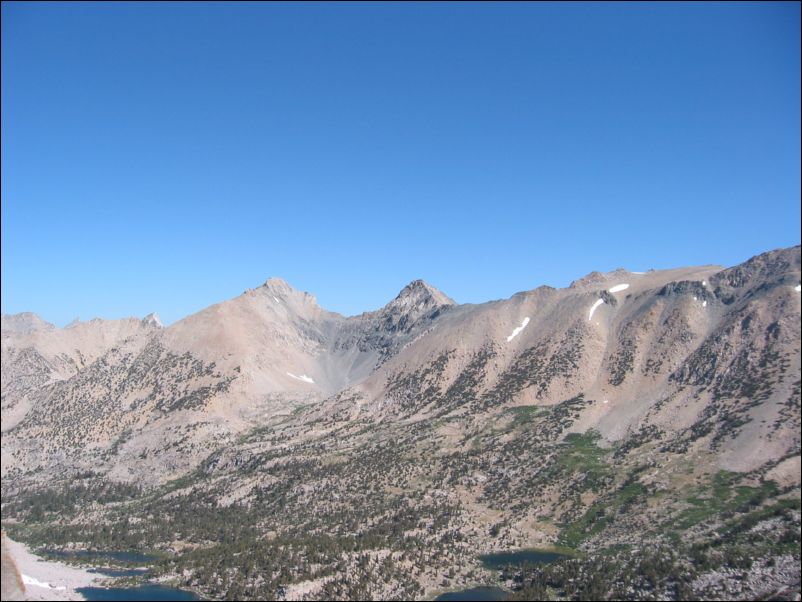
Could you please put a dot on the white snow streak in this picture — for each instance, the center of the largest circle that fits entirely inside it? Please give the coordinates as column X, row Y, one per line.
column 595, row 305
column 704, row 303
column 618, row 288
column 798, row 288
column 276, row 298
column 303, row 377
column 518, row 329
column 31, row 581
column 704, row 282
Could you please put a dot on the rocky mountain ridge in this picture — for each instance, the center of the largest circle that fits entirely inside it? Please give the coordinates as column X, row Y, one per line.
column 323, row 450
column 650, row 346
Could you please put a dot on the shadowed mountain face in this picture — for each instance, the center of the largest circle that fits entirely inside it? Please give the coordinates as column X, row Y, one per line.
column 546, row 404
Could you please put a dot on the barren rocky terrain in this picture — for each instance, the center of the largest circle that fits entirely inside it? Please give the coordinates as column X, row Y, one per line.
column 645, row 424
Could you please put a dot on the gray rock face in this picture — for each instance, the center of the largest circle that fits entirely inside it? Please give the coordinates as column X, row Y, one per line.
column 385, row 331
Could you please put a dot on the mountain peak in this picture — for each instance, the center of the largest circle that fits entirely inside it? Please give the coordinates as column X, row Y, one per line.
column 420, row 291
column 152, row 319
column 24, row 322
column 280, row 288
column 277, row 285
column 276, row 281
column 594, row 278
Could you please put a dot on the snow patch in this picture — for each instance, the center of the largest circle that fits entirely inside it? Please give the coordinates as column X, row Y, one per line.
column 276, row 298
column 704, row 303
column 31, row 581
column 606, row 401
column 303, row 377
column 517, row 331
column 592, row 309
column 704, row 282
column 694, row 298
column 798, row 288
column 618, row 288
column 638, row 273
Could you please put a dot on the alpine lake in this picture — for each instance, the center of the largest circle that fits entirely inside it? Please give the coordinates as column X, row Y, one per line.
column 498, row 561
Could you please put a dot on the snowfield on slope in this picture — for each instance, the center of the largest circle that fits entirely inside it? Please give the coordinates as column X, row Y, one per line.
column 303, row 377
column 517, row 331
column 593, row 308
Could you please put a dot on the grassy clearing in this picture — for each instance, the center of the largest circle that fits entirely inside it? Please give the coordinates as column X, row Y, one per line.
column 581, row 453
column 526, row 415
column 719, row 497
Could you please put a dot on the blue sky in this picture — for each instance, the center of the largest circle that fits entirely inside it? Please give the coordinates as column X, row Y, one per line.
column 163, row 157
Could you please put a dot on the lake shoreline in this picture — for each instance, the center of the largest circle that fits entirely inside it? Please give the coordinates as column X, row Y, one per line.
column 495, row 562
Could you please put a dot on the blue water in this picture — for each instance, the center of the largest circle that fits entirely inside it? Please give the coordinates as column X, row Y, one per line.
column 143, row 592
column 474, row 594
column 499, row 561
column 502, row 559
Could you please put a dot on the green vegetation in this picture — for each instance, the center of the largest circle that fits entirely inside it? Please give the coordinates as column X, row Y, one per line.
column 720, row 497
column 372, row 510
column 582, row 454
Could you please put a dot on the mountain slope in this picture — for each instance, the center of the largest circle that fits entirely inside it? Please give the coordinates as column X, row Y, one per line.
column 324, row 450
column 677, row 349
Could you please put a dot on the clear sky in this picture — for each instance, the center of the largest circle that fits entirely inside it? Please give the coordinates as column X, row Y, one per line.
column 163, row 157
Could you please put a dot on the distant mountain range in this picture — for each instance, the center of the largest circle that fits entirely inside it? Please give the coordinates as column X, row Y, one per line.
column 680, row 373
